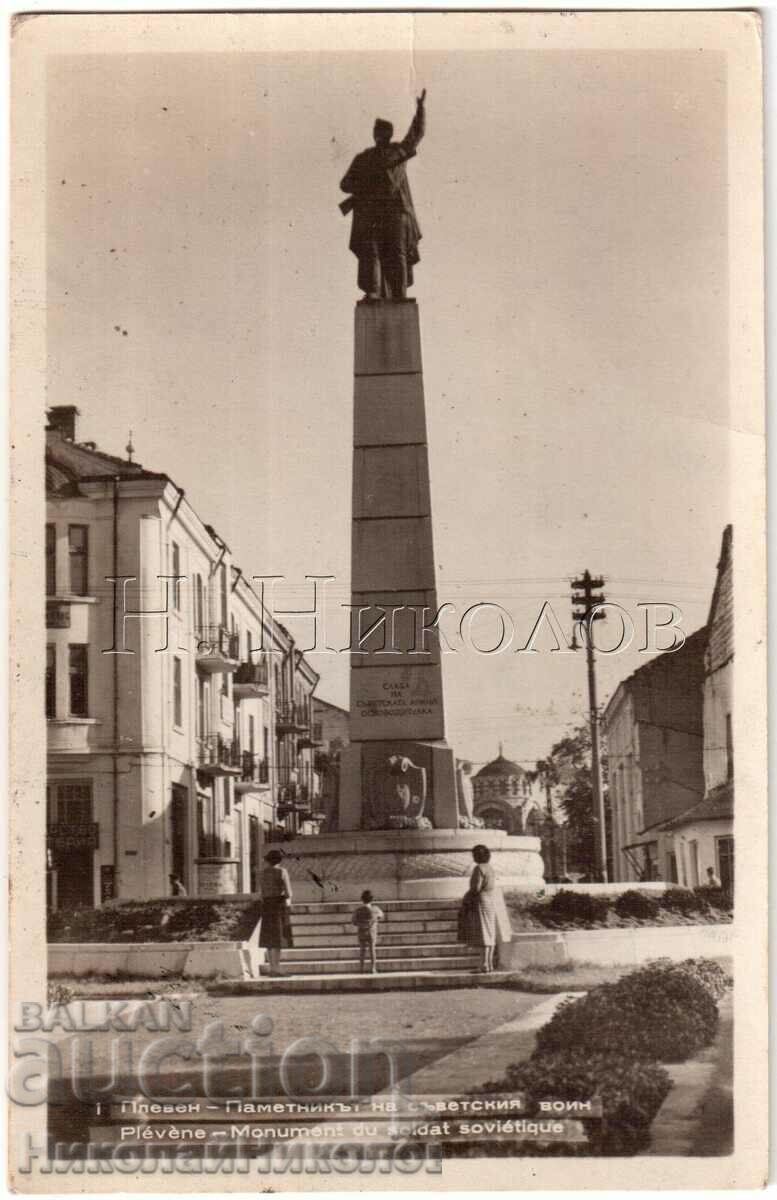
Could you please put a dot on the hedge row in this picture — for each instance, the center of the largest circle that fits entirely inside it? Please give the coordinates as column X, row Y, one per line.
column 581, row 908
column 610, row 1042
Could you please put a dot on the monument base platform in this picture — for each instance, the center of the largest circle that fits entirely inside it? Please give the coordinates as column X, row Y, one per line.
column 432, row 864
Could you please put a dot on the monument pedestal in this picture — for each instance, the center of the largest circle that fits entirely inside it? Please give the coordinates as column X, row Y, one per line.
column 406, row 865
column 398, row 809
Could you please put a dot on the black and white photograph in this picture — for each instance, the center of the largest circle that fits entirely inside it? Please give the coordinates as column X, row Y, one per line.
column 388, row 739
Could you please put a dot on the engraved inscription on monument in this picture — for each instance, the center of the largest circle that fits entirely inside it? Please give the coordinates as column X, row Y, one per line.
column 396, row 702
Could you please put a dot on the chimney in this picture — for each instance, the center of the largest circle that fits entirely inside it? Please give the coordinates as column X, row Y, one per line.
column 62, row 417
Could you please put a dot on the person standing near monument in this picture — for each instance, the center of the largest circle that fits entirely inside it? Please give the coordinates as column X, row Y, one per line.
column 478, row 915
column 275, row 932
column 385, row 232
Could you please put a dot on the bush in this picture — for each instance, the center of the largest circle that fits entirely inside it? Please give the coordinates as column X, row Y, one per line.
column 720, row 898
column 637, row 904
column 684, row 901
column 708, row 973
column 657, row 1012
column 631, row 1093
column 168, row 919
column 576, row 908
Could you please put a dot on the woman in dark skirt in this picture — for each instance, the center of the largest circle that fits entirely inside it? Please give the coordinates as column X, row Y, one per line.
column 477, row 920
column 276, row 909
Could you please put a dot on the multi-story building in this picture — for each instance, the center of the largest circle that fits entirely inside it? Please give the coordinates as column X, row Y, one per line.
column 653, row 729
column 178, row 712
column 701, row 836
column 331, row 732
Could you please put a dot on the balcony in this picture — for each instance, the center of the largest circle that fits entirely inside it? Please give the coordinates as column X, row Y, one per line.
column 292, row 718
column 314, row 738
column 218, row 757
column 218, row 650
column 254, row 773
column 295, row 798
column 251, row 680
column 72, row 735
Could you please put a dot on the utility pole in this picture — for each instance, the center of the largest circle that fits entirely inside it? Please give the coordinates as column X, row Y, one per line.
column 584, row 614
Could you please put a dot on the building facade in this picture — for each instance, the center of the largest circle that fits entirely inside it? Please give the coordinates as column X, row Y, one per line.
column 331, row 730
column 178, row 713
column 654, row 735
column 702, row 835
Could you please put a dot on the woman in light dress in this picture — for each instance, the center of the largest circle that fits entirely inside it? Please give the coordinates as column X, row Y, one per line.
column 478, row 920
column 275, row 933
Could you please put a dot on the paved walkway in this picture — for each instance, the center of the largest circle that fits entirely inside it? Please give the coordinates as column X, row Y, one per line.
column 485, row 1058
column 697, row 1116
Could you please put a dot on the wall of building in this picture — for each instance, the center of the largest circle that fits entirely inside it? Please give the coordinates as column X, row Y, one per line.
column 122, row 764
column 696, row 847
column 625, row 783
column 719, row 668
column 653, row 730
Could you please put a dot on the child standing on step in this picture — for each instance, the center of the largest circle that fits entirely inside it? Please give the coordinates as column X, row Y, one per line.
column 366, row 918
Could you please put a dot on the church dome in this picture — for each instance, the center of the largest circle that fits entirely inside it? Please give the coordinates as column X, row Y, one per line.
column 500, row 766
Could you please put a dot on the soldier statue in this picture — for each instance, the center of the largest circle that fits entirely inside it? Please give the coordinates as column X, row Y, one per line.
column 384, row 232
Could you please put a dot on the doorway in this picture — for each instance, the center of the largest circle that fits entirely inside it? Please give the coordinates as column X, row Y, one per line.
column 254, row 853
column 179, row 811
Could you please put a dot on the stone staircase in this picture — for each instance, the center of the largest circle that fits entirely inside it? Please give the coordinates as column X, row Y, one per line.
column 416, row 936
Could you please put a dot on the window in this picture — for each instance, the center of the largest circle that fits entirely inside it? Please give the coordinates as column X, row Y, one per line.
column 177, row 693
column 51, row 560
column 227, row 798
column 71, row 804
column 176, row 573
column 223, row 582
column 79, row 681
column 202, row 708
column 51, row 681
column 729, row 748
column 249, row 646
column 199, row 605
column 251, row 737
column 78, row 544
column 724, row 848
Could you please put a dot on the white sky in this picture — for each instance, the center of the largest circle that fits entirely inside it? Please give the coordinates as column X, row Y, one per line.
column 573, row 296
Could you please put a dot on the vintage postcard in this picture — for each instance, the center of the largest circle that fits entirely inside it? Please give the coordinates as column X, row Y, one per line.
column 388, row 611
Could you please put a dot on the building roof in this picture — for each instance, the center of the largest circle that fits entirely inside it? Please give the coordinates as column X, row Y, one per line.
column 657, row 668
column 499, row 766
column 67, row 463
column 317, row 700
column 721, row 615
column 717, row 805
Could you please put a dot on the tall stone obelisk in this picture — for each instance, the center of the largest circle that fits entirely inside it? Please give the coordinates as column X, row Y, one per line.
column 396, row 677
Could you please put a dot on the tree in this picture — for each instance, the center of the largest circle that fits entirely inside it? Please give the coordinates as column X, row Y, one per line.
column 568, row 767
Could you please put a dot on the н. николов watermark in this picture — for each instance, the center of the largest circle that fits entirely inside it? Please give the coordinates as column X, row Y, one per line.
column 485, row 627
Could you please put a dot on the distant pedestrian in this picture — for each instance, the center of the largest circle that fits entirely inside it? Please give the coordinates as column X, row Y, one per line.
column 478, row 914
column 712, row 879
column 366, row 918
column 177, row 887
column 275, row 932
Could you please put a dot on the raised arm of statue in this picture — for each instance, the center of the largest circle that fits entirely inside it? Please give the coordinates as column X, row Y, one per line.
column 417, row 128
